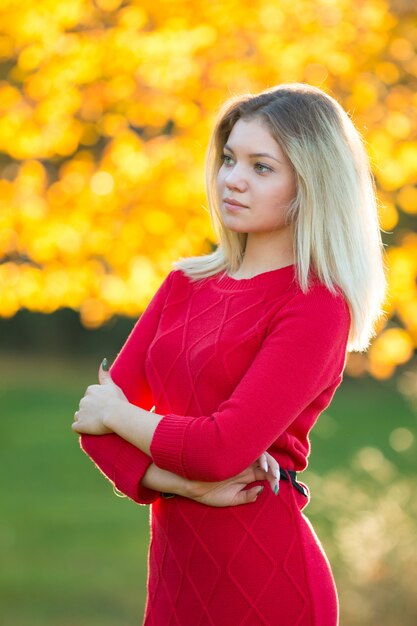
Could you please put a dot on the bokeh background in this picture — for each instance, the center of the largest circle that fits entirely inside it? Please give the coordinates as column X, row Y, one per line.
column 106, row 108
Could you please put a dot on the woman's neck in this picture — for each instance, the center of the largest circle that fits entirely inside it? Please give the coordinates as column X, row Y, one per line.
column 263, row 253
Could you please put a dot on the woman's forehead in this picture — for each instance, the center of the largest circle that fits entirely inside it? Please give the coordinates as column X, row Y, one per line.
column 252, row 137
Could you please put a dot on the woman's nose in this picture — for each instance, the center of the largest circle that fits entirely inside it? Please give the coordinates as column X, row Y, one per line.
column 235, row 179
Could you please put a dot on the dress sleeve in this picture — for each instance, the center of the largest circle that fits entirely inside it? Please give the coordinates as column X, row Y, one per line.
column 303, row 354
column 120, row 461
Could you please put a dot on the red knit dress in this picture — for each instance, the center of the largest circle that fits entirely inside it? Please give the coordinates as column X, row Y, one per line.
column 236, row 367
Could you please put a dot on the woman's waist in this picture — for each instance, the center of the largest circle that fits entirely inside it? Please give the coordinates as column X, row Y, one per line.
column 294, row 492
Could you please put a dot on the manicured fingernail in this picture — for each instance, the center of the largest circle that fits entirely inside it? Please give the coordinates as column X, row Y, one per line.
column 260, row 491
column 105, row 365
column 276, row 488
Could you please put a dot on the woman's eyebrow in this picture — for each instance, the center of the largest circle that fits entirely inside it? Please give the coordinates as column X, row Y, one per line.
column 254, row 154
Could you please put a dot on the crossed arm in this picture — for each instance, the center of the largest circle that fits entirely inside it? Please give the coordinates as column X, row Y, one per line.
column 306, row 343
column 105, row 409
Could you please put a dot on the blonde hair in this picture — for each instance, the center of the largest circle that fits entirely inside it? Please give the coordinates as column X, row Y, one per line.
column 334, row 218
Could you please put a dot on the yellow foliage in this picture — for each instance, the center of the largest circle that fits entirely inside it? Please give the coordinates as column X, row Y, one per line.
column 407, row 199
column 105, row 112
column 392, row 347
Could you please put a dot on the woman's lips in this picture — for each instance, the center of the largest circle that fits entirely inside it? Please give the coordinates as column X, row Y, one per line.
column 231, row 206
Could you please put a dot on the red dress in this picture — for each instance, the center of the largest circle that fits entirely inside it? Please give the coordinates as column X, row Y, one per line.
column 236, row 367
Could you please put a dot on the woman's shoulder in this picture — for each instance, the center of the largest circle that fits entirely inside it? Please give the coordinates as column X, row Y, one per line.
column 179, row 278
column 317, row 319
column 328, row 306
column 180, row 284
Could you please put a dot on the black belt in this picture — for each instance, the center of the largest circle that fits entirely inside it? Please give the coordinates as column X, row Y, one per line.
column 283, row 474
column 293, row 478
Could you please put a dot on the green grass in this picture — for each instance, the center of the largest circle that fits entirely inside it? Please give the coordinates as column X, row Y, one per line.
column 73, row 554
column 363, row 413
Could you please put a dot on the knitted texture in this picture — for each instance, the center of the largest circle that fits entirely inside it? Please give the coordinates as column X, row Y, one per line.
column 236, row 367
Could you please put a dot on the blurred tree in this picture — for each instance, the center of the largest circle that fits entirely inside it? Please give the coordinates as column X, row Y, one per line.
column 105, row 112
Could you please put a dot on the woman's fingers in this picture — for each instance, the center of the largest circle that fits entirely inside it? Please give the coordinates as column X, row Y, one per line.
column 257, row 474
column 263, row 462
column 266, row 464
column 269, row 466
column 273, row 467
column 248, row 495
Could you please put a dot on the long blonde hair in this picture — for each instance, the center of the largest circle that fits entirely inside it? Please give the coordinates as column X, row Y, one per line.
column 334, row 218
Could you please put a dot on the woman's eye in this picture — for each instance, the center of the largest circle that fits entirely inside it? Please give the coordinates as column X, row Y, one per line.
column 226, row 158
column 260, row 167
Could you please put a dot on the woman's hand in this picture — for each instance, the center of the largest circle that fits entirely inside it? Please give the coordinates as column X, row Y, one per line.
column 98, row 402
column 232, row 492
column 271, row 468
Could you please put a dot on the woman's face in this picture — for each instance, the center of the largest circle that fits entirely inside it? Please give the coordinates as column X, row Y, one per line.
column 255, row 173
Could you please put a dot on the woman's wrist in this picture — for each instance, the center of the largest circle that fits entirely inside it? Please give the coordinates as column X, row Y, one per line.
column 109, row 419
column 165, row 481
column 132, row 423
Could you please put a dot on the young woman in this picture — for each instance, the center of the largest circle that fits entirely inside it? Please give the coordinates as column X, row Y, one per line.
column 216, row 389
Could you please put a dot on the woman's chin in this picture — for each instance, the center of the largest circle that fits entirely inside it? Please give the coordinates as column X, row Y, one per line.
column 233, row 227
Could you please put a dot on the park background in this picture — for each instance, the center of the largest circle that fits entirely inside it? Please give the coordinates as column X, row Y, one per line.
column 106, row 107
